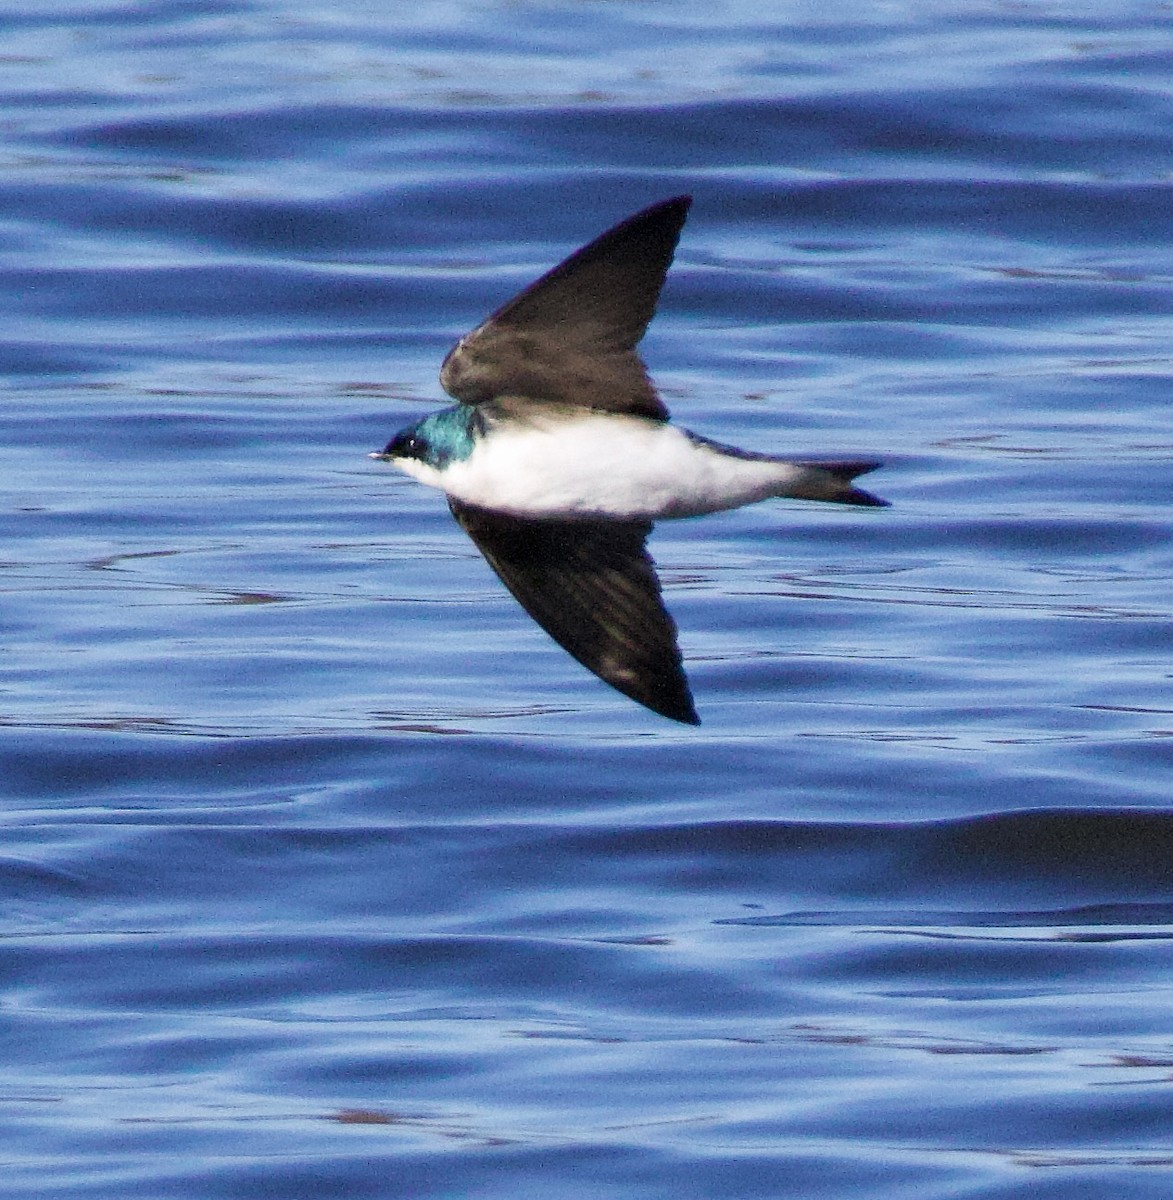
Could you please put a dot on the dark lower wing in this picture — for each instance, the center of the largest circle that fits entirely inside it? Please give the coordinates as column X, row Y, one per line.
column 592, row 586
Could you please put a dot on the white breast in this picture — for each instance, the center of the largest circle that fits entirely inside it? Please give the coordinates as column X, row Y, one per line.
column 605, row 465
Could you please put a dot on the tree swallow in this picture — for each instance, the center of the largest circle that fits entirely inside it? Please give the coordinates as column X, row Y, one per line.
column 560, row 455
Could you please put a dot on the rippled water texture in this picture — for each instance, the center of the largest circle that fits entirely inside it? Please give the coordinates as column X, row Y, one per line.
column 325, row 873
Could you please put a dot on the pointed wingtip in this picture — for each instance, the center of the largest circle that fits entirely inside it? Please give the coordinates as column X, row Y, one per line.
column 674, row 208
column 676, row 704
column 655, row 230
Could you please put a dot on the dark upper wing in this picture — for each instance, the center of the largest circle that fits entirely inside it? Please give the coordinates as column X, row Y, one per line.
column 592, row 586
column 570, row 337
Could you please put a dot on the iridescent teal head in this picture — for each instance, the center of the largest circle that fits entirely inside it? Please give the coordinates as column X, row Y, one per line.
column 442, row 438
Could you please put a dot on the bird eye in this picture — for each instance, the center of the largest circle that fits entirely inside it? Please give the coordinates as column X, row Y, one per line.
column 404, row 445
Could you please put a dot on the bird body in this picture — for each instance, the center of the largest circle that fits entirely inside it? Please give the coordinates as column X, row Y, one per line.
column 560, row 455
column 567, row 462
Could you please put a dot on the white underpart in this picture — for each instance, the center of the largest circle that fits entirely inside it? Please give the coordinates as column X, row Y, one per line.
column 598, row 464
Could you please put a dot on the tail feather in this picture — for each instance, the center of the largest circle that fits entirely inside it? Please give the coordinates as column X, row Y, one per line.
column 832, row 481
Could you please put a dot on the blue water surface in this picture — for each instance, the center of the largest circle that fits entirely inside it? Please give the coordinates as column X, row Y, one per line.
column 325, row 873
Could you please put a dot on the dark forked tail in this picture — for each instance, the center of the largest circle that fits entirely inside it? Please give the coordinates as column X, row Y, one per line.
column 832, row 481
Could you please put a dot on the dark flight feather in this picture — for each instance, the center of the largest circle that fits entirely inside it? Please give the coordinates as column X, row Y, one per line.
column 570, row 338
column 592, row 586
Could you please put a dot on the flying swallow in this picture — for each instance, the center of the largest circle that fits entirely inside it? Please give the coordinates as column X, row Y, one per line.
column 560, row 455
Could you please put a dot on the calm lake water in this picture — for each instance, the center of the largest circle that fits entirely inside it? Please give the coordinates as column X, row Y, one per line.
column 325, row 872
